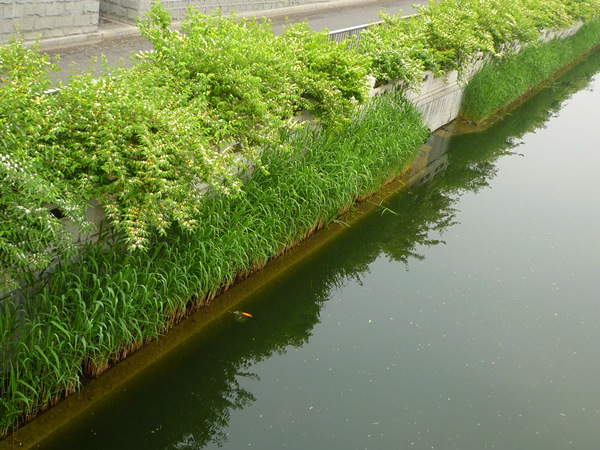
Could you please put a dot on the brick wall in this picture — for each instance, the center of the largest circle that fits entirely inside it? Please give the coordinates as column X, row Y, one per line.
column 47, row 18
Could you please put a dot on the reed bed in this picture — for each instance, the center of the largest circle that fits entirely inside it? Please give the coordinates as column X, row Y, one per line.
column 96, row 310
column 503, row 81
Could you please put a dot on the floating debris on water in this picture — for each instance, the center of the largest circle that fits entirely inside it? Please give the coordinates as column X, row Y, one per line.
column 241, row 316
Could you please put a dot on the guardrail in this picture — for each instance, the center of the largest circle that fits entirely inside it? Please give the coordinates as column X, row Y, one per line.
column 353, row 33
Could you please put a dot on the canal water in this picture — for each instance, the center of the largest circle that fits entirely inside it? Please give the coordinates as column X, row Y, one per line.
column 464, row 313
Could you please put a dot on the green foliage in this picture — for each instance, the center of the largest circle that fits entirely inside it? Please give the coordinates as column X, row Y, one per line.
column 206, row 103
column 139, row 144
column 584, row 10
column 195, row 112
column 28, row 230
column 445, row 35
column 116, row 300
column 254, row 80
column 330, row 76
column 238, row 68
column 502, row 81
column 399, row 50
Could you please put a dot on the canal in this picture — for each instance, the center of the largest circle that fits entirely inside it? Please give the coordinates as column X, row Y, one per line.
column 463, row 313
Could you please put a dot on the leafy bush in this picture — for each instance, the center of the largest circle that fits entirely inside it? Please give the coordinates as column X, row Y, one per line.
column 584, row 10
column 197, row 111
column 255, row 80
column 500, row 82
column 239, row 69
column 330, row 77
column 445, row 35
column 28, row 231
column 399, row 50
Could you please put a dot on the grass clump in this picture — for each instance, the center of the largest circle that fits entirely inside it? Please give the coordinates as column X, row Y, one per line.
column 196, row 111
column 446, row 35
column 502, row 81
column 95, row 310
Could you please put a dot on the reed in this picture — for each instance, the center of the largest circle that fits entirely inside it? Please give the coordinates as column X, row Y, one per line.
column 505, row 80
column 96, row 310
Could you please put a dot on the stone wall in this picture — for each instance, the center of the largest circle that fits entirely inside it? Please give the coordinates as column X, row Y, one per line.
column 47, row 18
column 128, row 10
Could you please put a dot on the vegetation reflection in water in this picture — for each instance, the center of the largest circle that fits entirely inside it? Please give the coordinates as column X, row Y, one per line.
column 186, row 400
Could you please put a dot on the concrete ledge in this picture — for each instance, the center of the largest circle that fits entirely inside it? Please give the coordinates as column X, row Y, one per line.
column 124, row 31
column 131, row 30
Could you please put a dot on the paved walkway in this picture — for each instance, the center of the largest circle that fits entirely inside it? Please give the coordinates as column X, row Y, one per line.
column 118, row 42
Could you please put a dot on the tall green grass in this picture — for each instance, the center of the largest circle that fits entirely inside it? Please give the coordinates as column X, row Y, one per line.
column 504, row 80
column 94, row 311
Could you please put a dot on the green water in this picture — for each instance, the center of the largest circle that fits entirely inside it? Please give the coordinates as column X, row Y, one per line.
column 462, row 314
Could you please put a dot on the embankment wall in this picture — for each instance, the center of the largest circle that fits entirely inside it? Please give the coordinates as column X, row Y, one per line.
column 439, row 99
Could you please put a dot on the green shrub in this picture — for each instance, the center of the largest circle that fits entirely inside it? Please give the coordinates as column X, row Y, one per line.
column 27, row 184
column 445, row 35
column 117, row 300
column 196, row 111
column 399, row 50
column 253, row 79
column 330, row 77
column 502, row 81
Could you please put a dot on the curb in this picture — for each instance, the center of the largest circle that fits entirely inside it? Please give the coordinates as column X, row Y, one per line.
column 127, row 30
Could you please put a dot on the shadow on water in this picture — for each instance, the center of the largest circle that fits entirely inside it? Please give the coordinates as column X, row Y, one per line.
column 185, row 400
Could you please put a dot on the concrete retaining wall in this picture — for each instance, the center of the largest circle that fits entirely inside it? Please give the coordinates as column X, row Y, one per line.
column 439, row 99
column 47, row 18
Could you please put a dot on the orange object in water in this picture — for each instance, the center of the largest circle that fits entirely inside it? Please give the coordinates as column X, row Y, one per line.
column 241, row 316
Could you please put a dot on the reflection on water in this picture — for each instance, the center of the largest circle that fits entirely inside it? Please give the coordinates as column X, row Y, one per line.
column 348, row 351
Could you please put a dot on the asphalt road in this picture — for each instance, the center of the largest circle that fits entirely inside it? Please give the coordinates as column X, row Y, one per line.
column 119, row 51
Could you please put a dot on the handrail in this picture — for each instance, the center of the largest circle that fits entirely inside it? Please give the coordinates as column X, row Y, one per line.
column 351, row 29
column 350, row 32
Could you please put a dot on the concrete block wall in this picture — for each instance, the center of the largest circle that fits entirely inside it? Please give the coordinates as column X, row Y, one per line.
column 125, row 10
column 128, row 10
column 47, row 18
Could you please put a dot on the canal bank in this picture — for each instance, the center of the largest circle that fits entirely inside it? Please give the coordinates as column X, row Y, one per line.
column 302, row 196
column 431, row 161
column 482, row 342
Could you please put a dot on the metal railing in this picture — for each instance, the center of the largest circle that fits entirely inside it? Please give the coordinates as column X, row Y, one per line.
column 353, row 33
